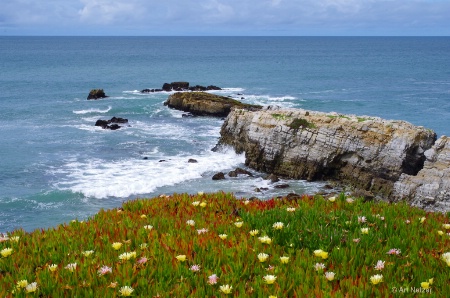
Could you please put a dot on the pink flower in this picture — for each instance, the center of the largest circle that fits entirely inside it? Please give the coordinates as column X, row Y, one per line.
column 356, row 240
column 104, row 270
column 142, row 260
column 394, row 251
column 195, row 268
column 362, row 219
column 379, row 265
column 201, row 231
column 212, row 279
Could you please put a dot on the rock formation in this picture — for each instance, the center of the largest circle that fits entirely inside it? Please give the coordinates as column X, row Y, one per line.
column 430, row 188
column 112, row 123
column 96, row 94
column 181, row 86
column 365, row 152
column 205, row 104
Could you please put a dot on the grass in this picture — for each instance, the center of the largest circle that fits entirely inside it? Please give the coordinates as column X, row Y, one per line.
column 151, row 238
column 299, row 122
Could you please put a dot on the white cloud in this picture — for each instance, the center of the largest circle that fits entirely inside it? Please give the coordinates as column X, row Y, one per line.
column 230, row 16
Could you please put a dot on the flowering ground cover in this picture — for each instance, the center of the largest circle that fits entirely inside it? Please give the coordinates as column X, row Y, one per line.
column 214, row 245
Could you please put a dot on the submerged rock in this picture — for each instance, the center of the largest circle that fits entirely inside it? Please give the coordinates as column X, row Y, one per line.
column 205, row 104
column 367, row 153
column 218, row 176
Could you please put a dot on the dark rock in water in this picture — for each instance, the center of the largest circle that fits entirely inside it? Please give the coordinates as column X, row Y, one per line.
column 328, row 186
column 151, row 90
column 273, row 178
column 181, row 86
column 191, row 160
column 212, row 87
column 197, row 88
column 205, row 104
column 293, row 196
column 145, row 158
column 177, row 86
column 162, row 160
column 239, row 171
column 96, row 94
column 218, row 176
column 281, row 186
column 263, row 188
column 112, row 123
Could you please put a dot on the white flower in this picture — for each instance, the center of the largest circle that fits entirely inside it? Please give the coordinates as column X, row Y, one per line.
column 446, row 258
column 196, row 203
column 148, row 227
column 14, row 239
column 190, row 222
column 226, row 289
column 394, row 251
column 143, row 245
column 53, row 267
column 262, row 257
column 71, row 267
column 254, row 232
column 87, row 253
column 223, row 236
column 362, row 219
column 265, row 239
column 278, row 225
column 31, row 288
column 202, row 231
column 290, row 209
column 349, row 200
column 365, row 230
column 127, row 256
column 212, row 279
column 319, row 266
column 239, row 224
column 284, row 260
column 446, row 226
column 269, row 279
column 330, row 275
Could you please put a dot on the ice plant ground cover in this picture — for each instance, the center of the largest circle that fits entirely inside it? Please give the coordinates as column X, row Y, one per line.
column 56, row 264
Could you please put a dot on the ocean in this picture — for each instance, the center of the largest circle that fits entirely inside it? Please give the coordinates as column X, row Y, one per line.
column 55, row 165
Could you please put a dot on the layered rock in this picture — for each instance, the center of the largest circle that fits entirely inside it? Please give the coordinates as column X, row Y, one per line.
column 430, row 188
column 205, row 104
column 366, row 152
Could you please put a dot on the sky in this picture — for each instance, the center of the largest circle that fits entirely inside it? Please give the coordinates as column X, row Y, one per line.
column 225, row 17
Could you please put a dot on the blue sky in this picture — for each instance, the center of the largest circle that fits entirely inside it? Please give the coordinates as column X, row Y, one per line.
column 225, row 17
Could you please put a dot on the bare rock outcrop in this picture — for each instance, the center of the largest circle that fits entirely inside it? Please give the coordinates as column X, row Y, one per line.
column 205, row 104
column 367, row 153
column 430, row 188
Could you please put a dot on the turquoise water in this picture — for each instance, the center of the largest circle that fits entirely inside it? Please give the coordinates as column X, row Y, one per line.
column 56, row 166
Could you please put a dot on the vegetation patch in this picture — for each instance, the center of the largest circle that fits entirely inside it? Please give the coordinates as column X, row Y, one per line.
column 214, row 245
column 281, row 116
column 299, row 122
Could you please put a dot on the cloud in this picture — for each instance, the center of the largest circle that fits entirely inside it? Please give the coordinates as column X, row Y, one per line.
column 232, row 17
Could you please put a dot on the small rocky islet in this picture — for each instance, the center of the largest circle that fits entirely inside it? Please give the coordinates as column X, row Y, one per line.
column 389, row 160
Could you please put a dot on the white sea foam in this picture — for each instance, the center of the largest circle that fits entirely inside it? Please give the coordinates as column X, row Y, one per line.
column 98, row 178
column 88, row 111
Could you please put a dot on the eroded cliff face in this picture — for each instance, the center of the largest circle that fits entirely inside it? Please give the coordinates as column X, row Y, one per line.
column 430, row 188
column 366, row 152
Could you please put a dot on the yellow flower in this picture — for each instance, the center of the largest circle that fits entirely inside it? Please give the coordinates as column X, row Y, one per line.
column 22, row 283
column 143, row 216
column 126, row 291
column 290, row 209
column 181, row 258
column 446, row 258
column 87, row 253
column 143, row 245
column 332, row 199
column 254, row 232
column 239, row 224
column 14, row 239
column 425, row 285
column 6, row 252
column 284, row 260
column 31, row 288
column 223, row 236
column 278, row 225
column 269, row 279
column 117, row 245
column 265, row 239
column 376, row 279
column 431, row 281
column 422, row 219
column 446, row 226
column 52, row 267
column 262, row 257
column 272, row 296
column 226, row 289
column 365, row 230
column 321, row 253
column 246, row 202
column 440, row 233
column 203, row 204
column 127, row 256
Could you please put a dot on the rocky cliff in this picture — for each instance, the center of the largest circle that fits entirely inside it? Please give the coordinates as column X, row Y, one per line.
column 205, row 104
column 366, row 152
column 430, row 188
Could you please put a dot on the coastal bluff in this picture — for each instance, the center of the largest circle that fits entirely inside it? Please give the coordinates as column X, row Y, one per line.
column 387, row 158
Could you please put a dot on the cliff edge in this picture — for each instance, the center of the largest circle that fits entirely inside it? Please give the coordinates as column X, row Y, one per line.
column 368, row 153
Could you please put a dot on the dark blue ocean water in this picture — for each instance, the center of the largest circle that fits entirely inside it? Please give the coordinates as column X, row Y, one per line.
column 56, row 166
